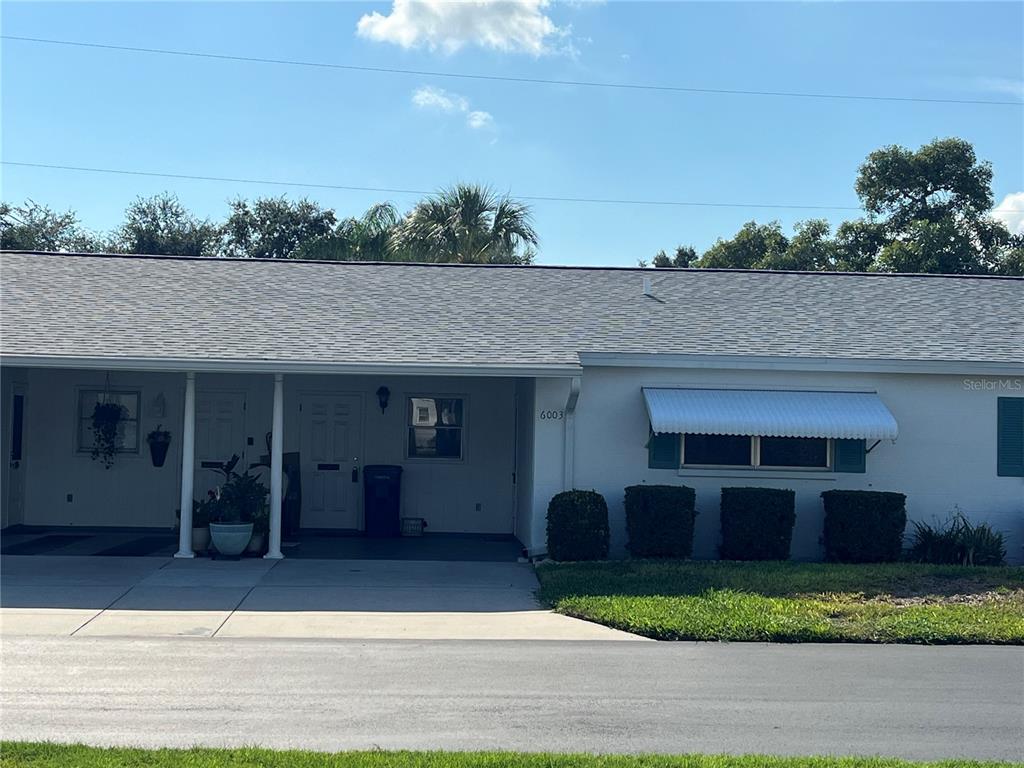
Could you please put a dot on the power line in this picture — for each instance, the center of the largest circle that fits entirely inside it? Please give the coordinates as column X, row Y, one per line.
column 395, row 191
column 510, row 79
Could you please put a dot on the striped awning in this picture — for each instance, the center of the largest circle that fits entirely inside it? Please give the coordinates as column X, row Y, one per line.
column 771, row 413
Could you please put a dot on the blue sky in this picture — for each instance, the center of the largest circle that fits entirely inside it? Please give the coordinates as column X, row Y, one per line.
column 98, row 108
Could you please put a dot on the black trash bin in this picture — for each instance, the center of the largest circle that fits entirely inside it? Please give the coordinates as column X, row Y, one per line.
column 382, row 485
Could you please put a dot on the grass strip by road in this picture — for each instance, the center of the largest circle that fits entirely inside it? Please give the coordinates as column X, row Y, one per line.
column 793, row 602
column 32, row 755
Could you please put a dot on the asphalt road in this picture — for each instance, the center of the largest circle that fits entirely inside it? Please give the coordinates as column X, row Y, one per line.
column 913, row 702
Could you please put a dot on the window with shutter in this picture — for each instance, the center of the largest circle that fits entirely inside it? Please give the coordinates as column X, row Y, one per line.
column 663, row 451
column 1010, row 437
column 850, row 456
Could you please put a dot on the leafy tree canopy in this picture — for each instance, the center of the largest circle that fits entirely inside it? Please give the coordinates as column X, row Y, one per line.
column 466, row 223
column 162, row 225
column 35, row 227
column 927, row 211
column 275, row 227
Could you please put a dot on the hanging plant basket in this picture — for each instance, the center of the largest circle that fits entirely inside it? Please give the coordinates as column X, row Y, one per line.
column 106, row 421
column 159, row 441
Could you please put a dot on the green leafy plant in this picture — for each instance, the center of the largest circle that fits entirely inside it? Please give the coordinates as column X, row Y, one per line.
column 261, row 520
column 757, row 523
column 578, row 526
column 241, row 498
column 659, row 520
column 864, row 526
column 957, row 542
column 242, row 495
column 106, row 421
column 158, row 435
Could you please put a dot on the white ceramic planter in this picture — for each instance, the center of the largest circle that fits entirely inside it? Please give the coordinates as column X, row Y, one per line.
column 230, row 539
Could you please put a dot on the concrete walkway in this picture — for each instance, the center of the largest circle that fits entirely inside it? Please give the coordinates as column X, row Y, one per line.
column 339, row 599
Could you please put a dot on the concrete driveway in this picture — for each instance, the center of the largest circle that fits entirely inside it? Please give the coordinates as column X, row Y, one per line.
column 341, row 599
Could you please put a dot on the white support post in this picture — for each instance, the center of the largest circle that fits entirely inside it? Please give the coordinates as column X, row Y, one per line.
column 276, row 470
column 188, row 457
column 569, row 434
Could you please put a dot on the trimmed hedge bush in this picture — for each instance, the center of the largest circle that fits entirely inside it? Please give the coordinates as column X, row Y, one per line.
column 578, row 526
column 659, row 520
column 864, row 526
column 757, row 523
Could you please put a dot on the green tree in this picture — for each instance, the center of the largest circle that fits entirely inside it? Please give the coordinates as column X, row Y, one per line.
column 366, row 238
column 755, row 246
column 811, row 249
column 276, row 228
column 469, row 224
column 34, row 227
column 932, row 206
column 162, row 225
column 683, row 258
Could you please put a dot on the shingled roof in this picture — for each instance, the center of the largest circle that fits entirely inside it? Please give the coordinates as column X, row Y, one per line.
column 76, row 306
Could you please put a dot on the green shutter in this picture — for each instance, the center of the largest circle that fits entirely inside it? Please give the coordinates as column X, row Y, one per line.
column 663, row 451
column 850, row 456
column 1010, row 437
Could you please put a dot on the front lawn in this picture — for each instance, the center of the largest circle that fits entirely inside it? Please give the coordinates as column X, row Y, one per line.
column 792, row 602
column 22, row 755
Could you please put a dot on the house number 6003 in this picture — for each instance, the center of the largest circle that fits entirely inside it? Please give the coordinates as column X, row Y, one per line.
column 544, row 415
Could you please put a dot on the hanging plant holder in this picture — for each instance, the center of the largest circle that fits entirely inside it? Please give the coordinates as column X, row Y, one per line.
column 159, row 441
column 106, row 422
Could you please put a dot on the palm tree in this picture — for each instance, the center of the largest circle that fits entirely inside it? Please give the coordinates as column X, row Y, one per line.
column 468, row 224
column 357, row 239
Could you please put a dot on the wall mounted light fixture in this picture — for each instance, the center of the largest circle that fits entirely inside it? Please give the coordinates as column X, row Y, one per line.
column 383, row 395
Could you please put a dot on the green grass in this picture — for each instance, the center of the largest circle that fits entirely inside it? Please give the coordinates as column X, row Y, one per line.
column 26, row 755
column 793, row 602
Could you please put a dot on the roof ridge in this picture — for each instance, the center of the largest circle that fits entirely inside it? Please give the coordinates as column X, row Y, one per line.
column 454, row 265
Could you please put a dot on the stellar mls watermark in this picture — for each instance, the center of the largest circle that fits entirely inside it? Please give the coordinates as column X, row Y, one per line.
column 994, row 385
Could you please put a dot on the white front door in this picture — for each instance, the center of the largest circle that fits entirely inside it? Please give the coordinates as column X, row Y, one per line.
column 331, row 448
column 14, row 504
column 220, row 434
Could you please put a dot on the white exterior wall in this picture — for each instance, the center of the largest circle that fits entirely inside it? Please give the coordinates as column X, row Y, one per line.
column 945, row 456
column 134, row 493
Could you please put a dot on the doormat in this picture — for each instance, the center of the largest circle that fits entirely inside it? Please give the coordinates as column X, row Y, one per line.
column 146, row 545
column 43, row 544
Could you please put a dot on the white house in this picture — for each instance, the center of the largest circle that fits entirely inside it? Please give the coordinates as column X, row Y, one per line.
column 495, row 387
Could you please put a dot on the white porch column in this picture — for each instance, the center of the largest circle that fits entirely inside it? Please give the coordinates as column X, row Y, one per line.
column 276, row 470
column 188, row 457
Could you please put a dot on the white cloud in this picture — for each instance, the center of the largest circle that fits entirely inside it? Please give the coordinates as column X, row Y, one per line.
column 1011, row 212
column 477, row 120
column 429, row 97
column 1005, row 85
column 519, row 26
column 439, row 100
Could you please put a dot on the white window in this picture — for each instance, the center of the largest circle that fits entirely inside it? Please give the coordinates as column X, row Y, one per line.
column 755, row 452
column 435, row 427
column 127, row 440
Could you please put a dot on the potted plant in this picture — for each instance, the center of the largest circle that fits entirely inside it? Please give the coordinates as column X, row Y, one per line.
column 106, row 422
column 201, row 511
column 238, row 503
column 260, row 530
column 159, row 441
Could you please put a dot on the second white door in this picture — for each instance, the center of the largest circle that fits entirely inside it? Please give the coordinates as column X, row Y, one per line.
column 331, row 455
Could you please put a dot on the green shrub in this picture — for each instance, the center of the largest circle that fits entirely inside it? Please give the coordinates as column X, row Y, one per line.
column 578, row 526
column 659, row 520
column 957, row 543
column 864, row 526
column 757, row 523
